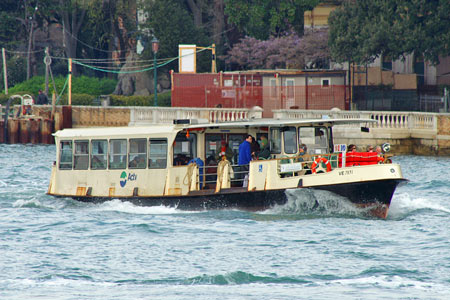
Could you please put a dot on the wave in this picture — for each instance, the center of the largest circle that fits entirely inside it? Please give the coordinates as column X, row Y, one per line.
column 128, row 207
column 403, row 205
column 317, row 203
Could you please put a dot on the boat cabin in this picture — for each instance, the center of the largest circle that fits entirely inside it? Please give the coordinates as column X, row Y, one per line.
column 184, row 159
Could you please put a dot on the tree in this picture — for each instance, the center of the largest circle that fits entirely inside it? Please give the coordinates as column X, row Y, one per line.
column 288, row 51
column 362, row 30
column 263, row 18
column 178, row 29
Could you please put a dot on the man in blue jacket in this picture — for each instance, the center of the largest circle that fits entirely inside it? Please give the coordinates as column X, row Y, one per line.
column 245, row 156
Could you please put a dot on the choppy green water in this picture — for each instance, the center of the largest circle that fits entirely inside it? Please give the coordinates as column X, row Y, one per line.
column 63, row 249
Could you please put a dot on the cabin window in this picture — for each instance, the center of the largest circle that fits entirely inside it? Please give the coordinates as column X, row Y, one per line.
column 184, row 148
column 137, row 156
column 275, row 140
column 290, row 140
column 157, row 154
column 99, row 157
column 65, row 155
column 81, row 155
column 234, row 140
column 213, row 143
column 117, row 154
column 315, row 139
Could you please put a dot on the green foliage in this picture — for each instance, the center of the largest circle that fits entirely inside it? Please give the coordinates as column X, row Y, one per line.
column 163, row 100
column 80, row 85
column 362, row 30
column 172, row 25
column 78, row 99
column 262, row 18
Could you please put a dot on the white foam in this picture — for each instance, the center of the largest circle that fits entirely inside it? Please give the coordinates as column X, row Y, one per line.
column 403, row 203
column 27, row 203
column 323, row 202
column 128, row 207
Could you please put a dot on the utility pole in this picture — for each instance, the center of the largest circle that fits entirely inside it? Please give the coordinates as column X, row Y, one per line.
column 70, row 82
column 47, row 67
column 5, row 73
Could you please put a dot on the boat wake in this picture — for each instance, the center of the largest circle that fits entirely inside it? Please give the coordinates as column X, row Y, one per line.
column 117, row 205
column 403, row 205
column 317, row 203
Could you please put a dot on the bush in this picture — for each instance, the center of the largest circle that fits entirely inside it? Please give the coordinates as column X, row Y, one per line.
column 164, row 99
column 4, row 98
column 77, row 99
column 80, row 85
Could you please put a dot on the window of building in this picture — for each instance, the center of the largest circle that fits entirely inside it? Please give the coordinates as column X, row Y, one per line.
column 275, row 140
column 273, row 88
column 137, row 155
column 81, row 155
column 157, row 154
column 99, row 156
column 118, row 154
column 65, row 155
column 326, row 82
column 290, row 140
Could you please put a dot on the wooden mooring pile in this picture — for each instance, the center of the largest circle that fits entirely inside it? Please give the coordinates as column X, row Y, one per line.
column 31, row 125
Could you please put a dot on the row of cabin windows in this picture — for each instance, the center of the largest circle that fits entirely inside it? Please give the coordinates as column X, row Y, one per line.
column 113, row 154
column 315, row 138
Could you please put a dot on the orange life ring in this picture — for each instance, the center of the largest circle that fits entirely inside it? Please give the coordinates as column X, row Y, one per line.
column 318, row 161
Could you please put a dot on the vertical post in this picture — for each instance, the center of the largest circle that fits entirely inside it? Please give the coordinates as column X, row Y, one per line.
column 155, row 48
column 47, row 66
column 5, row 73
column 70, row 82
column 213, row 63
column 155, row 80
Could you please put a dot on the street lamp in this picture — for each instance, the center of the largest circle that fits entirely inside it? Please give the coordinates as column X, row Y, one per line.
column 155, row 47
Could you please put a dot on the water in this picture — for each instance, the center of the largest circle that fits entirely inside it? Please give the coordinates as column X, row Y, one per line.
column 62, row 249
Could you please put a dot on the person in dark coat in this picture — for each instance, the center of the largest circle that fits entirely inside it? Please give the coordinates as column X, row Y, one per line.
column 42, row 98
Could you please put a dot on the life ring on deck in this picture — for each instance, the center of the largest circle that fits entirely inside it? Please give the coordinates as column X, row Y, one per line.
column 317, row 165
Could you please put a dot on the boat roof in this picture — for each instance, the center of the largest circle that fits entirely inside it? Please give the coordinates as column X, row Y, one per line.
column 154, row 129
column 171, row 129
column 281, row 122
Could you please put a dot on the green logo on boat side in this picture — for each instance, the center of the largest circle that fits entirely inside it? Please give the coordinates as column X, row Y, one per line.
column 124, row 181
column 125, row 178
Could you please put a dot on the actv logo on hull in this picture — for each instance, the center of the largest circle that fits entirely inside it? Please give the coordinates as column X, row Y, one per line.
column 124, row 178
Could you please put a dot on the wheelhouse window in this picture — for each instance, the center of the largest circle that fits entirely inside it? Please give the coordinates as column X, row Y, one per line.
column 99, row 157
column 290, row 140
column 118, row 154
column 184, row 148
column 275, row 140
column 81, row 155
column 65, row 155
column 137, row 156
column 157, row 154
column 315, row 139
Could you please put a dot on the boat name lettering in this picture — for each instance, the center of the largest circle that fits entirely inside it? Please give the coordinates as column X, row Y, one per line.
column 346, row 172
column 132, row 177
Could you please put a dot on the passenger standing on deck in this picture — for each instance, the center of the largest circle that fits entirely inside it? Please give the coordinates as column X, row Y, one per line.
column 245, row 156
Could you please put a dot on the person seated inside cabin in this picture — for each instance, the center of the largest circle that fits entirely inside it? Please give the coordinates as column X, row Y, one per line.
column 378, row 150
column 351, row 148
column 264, row 153
column 302, row 152
column 224, row 152
column 138, row 162
column 180, row 160
column 320, row 138
column 210, row 173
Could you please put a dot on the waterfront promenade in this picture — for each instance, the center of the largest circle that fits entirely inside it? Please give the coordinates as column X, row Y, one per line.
column 408, row 132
